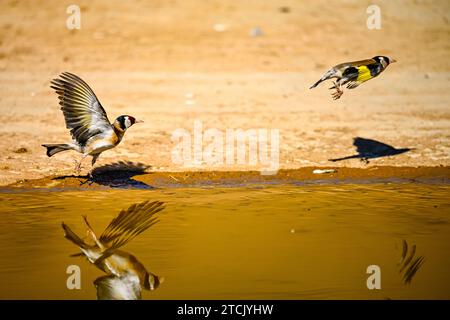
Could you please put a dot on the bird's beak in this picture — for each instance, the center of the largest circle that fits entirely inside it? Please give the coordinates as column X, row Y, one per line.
column 138, row 121
column 393, row 60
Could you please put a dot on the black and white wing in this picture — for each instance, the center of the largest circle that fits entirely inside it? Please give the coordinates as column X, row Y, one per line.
column 84, row 115
column 129, row 223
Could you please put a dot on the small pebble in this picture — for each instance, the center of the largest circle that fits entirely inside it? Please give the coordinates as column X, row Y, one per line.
column 256, row 32
column 220, row 27
column 21, row 150
column 322, row 171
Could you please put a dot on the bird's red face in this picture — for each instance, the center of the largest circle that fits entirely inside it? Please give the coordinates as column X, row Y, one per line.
column 133, row 120
column 127, row 121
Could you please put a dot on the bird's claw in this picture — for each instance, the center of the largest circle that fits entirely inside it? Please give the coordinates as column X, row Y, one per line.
column 365, row 160
column 335, row 86
column 77, row 167
column 338, row 93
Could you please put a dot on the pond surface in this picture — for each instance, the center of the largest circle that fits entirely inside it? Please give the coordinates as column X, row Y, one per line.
column 271, row 242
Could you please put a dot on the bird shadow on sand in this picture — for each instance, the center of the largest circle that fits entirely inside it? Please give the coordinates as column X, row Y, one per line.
column 115, row 175
column 370, row 149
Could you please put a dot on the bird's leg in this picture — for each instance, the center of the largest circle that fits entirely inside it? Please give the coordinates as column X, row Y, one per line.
column 94, row 159
column 334, row 86
column 365, row 160
column 78, row 164
column 338, row 93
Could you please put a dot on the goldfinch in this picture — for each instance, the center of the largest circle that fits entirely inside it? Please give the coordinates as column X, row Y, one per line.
column 354, row 73
column 91, row 131
column 104, row 253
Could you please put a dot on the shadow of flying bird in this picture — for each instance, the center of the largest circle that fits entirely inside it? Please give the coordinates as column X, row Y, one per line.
column 371, row 149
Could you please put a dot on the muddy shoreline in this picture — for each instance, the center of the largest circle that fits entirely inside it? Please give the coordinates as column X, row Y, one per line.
column 141, row 179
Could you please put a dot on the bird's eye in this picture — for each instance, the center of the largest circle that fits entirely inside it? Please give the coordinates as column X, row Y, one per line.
column 128, row 122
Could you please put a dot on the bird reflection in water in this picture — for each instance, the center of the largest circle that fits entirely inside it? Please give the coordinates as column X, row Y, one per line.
column 126, row 276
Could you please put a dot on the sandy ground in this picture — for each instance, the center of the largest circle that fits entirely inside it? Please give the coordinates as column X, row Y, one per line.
column 164, row 62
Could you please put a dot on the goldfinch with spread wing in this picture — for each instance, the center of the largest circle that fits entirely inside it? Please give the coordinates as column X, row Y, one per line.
column 91, row 131
column 104, row 252
column 354, row 73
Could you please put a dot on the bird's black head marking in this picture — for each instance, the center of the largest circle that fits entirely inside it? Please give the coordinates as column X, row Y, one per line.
column 382, row 60
column 125, row 121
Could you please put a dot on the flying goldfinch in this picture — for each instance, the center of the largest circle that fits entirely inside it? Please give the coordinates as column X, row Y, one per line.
column 354, row 73
column 91, row 131
column 104, row 253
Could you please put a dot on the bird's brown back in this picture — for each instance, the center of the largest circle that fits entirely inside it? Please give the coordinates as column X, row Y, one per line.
column 355, row 63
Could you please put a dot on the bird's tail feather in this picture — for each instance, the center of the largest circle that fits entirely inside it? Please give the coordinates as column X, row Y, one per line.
column 57, row 147
column 71, row 236
column 79, row 254
column 316, row 84
column 329, row 74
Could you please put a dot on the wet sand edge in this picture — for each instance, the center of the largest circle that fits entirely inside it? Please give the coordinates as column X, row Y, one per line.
column 123, row 178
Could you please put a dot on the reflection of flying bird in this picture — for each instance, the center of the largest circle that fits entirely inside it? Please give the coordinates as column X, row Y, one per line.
column 409, row 263
column 104, row 252
column 354, row 73
column 91, row 131
column 369, row 149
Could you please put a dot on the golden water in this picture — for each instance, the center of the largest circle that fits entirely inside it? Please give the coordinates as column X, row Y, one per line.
column 278, row 242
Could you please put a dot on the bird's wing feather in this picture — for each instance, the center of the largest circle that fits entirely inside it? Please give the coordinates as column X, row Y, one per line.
column 353, row 84
column 360, row 63
column 130, row 222
column 350, row 73
column 364, row 74
column 84, row 115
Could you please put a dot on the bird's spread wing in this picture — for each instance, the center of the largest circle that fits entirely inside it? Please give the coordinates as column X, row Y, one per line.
column 130, row 222
column 84, row 115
